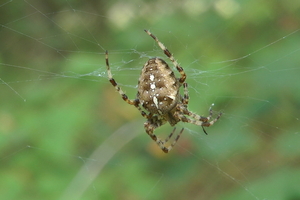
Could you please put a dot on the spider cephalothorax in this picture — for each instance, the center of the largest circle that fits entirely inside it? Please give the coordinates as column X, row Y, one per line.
column 158, row 93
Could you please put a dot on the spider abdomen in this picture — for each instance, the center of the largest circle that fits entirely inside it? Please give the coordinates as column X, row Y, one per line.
column 158, row 88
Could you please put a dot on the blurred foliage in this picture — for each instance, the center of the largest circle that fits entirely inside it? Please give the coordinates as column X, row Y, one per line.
column 57, row 105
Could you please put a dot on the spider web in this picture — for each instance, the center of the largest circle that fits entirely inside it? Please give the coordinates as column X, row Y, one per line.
column 64, row 127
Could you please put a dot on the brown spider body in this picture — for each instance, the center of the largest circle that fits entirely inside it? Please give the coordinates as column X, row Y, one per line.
column 158, row 93
column 158, row 89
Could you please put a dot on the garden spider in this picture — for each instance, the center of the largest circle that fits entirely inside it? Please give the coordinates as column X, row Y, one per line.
column 158, row 93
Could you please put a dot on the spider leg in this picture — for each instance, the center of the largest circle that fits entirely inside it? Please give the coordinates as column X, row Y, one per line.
column 151, row 125
column 169, row 136
column 200, row 121
column 175, row 140
column 196, row 119
column 134, row 102
column 170, row 56
column 186, row 97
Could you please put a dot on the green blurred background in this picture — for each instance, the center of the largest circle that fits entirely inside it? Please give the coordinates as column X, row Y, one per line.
column 65, row 133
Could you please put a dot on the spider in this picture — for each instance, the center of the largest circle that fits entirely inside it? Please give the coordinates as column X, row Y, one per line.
column 158, row 93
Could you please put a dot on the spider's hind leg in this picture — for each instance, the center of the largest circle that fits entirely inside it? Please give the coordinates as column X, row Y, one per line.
column 170, row 56
column 114, row 83
column 134, row 102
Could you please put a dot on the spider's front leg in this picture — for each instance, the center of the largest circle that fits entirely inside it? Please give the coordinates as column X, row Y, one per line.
column 150, row 125
column 199, row 120
column 154, row 123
